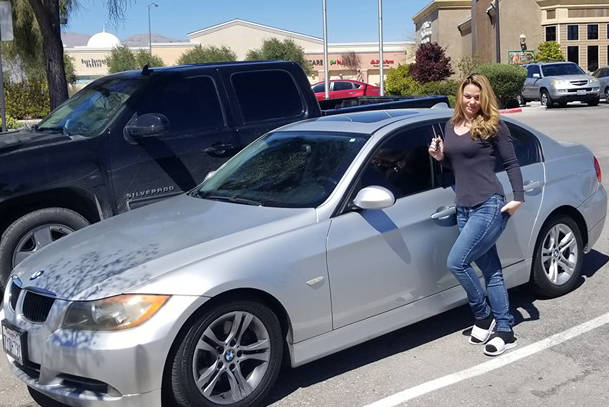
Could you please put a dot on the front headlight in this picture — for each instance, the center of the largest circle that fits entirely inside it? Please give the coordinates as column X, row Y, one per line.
column 594, row 82
column 559, row 82
column 114, row 313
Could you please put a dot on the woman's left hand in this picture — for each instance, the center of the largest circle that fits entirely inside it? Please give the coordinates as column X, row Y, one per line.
column 511, row 207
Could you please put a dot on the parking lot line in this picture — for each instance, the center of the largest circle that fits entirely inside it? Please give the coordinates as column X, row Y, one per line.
column 506, row 359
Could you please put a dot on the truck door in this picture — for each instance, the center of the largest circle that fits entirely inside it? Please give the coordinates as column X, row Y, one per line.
column 198, row 140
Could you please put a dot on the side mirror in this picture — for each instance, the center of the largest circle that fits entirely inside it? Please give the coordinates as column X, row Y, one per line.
column 536, row 76
column 374, row 197
column 147, row 125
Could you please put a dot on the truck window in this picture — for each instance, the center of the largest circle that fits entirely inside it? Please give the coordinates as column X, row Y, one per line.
column 189, row 104
column 265, row 95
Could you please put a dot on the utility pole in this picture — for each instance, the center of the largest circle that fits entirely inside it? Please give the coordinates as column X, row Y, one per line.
column 381, row 58
column 325, row 28
column 497, row 33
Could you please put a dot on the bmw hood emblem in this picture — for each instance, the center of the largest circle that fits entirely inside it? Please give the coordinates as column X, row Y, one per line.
column 36, row 275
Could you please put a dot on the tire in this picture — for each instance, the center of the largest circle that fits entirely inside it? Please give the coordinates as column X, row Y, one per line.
column 593, row 102
column 521, row 101
column 229, row 369
column 18, row 240
column 546, row 99
column 607, row 94
column 555, row 272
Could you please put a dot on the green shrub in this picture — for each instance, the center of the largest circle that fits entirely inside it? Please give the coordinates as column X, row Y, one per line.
column 27, row 100
column 447, row 87
column 507, row 80
column 11, row 123
column 399, row 82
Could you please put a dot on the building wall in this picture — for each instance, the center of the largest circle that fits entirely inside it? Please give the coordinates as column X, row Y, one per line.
column 483, row 32
column 519, row 17
column 449, row 36
column 242, row 38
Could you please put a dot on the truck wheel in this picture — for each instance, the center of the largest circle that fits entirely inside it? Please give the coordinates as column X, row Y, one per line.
column 230, row 355
column 546, row 99
column 32, row 232
column 558, row 257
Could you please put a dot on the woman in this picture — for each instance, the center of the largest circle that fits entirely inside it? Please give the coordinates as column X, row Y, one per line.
column 473, row 139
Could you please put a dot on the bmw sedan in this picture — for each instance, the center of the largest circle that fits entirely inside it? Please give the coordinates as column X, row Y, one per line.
column 318, row 236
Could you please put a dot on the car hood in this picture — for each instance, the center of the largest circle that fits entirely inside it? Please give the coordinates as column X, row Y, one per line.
column 16, row 140
column 119, row 254
column 578, row 77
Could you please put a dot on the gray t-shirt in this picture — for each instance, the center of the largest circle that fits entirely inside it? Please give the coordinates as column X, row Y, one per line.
column 473, row 163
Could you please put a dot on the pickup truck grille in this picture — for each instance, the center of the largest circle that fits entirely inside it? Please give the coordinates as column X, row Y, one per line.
column 36, row 307
column 579, row 83
column 15, row 291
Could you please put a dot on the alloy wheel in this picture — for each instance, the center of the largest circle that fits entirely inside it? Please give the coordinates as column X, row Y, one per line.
column 559, row 254
column 35, row 239
column 231, row 357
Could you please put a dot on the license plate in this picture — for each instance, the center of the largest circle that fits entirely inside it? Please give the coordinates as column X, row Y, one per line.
column 581, row 92
column 13, row 342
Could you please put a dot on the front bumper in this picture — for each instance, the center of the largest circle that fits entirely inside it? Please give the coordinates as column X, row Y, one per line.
column 85, row 368
column 574, row 94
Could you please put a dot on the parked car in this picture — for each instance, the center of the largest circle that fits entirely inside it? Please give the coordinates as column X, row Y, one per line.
column 602, row 74
column 559, row 82
column 318, row 236
column 133, row 138
column 345, row 89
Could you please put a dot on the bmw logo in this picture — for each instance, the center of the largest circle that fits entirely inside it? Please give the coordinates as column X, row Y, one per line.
column 36, row 275
column 229, row 356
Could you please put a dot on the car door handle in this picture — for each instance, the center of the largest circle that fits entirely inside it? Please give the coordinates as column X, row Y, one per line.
column 444, row 213
column 531, row 186
column 220, row 149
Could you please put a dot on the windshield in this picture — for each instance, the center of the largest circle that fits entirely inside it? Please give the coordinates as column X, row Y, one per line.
column 285, row 169
column 561, row 69
column 88, row 112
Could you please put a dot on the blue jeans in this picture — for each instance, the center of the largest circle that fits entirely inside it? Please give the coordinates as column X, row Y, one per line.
column 479, row 228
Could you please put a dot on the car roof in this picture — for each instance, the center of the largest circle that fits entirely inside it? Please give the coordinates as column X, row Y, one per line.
column 366, row 122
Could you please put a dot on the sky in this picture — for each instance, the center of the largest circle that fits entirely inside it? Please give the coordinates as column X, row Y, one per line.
column 348, row 20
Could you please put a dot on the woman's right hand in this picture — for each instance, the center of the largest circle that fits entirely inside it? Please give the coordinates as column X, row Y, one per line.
column 436, row 148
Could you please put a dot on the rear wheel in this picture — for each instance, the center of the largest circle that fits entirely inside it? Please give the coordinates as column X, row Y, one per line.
column 546, row 99
column 31, row 232
column 558, row 257
column 230, row 356
column 521, row 101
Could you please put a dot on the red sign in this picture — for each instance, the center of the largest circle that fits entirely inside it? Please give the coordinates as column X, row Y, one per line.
column 385, row 62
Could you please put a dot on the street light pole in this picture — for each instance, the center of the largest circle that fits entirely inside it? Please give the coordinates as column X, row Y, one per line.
column 381, row 58
column 149, row 29
column 325, row 28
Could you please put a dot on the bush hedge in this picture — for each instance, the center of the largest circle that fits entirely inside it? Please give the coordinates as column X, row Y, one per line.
column 507, row 81
column 11, row 123
column 27, row 100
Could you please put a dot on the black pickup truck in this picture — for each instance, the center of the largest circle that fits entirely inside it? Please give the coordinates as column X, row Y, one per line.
column 135, row 137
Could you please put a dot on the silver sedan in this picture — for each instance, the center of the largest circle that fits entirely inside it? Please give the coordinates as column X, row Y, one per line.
column 318, row 236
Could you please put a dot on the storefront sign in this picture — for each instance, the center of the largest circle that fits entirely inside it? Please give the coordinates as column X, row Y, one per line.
column 386, row 62
column 521, row 57
column 316, row 62
column 94, row 63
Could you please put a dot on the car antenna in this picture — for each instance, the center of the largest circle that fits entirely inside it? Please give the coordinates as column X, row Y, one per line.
column 146, row 70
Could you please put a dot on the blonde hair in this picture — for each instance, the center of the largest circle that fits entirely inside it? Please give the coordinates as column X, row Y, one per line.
column 484, row 126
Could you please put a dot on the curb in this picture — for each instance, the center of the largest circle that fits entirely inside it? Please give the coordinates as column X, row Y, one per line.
column 511, row 110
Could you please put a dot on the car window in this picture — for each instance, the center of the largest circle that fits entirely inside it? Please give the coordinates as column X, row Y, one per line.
column 189, row 104
column 526, row 147
column 319, row 88
column 342, row 86
column 264, row 95
column 401, row 164
column 561, row 69
column 531, row 69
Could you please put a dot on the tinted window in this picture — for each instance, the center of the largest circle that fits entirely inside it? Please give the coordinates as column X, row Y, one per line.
column 592, row 57
column 189, row 104
column 342, row 85
column 573, row 32
column 593, row 32
column 531, row 70
column 319, row 88
column 561, row 69
column 551, row 33
column 573, row 54
column 526, row 145
column 264, row 95
column 401, row 164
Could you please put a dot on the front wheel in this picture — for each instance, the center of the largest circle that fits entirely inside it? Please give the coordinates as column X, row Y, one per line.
column 558, row 257
column 230, row 356
column 546, row 99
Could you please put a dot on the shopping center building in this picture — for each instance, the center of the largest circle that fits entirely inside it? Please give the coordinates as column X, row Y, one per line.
column 346, row 60
column 509, row 31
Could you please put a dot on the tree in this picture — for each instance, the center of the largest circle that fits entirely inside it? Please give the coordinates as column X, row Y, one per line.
column 286, row 50
column 549, row 51
column 143, row 57
column 121, row 59
column 68, row 63
column 200, row 55
column 48, row 15
column 431, row 64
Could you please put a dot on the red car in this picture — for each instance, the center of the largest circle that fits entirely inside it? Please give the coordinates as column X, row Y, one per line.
column 343, row 89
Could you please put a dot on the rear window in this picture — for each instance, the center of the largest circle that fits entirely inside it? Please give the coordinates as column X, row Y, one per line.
column 265, row 95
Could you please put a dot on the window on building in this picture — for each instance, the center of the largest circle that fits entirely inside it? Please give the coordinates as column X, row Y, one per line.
column 607, row 31
column 592, row 58
column 593, row 31
column 551, row 33
column 573, row 32
column 573, row 54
